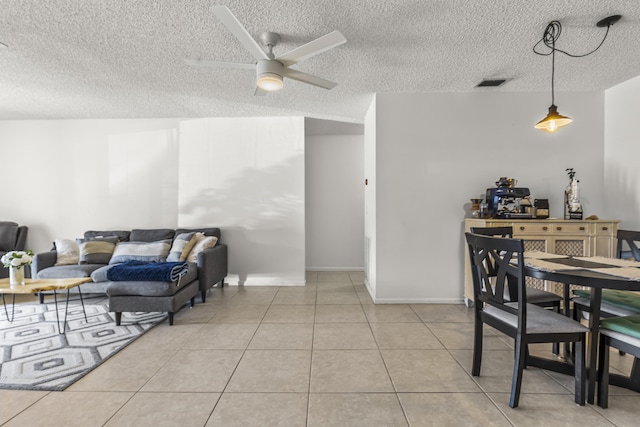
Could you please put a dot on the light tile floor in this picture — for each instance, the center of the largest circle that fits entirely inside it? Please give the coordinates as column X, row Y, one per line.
column 319, row 355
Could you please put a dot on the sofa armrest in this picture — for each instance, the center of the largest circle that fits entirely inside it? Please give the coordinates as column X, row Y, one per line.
column 43, row 260
column 212, row 266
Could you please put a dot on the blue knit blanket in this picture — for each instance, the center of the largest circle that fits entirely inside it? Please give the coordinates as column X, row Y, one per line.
column 147, row 271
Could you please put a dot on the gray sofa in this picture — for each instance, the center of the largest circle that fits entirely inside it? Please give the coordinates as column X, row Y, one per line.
column 142, row 296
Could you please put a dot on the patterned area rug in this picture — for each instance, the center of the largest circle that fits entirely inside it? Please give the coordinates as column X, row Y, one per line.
column 34, row 356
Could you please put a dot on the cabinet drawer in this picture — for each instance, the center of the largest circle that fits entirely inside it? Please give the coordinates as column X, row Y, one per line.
column 570, row 228
column 521, row 228
column 605, row 229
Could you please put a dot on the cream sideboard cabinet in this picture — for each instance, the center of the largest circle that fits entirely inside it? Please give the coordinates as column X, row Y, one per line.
column 566, row 237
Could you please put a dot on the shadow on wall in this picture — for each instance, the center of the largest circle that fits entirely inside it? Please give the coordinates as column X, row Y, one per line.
column 261, row 214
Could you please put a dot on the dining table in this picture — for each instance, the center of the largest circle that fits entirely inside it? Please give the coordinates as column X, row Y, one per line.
column 596, row 273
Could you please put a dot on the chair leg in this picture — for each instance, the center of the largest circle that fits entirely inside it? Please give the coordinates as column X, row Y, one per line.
column 518, row 369
column 193, row 301
column 203, row 294
column 118, row 318
column 603, row 373
column 555, row 347
column 580, row 372
column 171, row 318
column 477, row 346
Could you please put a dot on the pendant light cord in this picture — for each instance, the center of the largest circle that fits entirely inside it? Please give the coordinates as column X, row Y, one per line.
column 553, row 70
column 549, row 38
column 552, row 34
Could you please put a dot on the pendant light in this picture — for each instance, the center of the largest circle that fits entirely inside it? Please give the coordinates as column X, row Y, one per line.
column 554, row 120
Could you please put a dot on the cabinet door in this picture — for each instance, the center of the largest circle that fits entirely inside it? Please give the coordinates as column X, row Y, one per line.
column 535, row 245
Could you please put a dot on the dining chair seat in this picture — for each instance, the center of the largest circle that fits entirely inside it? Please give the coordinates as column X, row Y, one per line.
column 542, row 298
column 539, row 320
column 622, row 333
column 612, row 305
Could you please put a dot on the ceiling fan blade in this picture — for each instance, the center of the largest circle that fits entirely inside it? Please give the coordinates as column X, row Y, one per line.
column 308, row 78
column 319, row 45
column 260, row 92
column 237, row 29
column 219, row 64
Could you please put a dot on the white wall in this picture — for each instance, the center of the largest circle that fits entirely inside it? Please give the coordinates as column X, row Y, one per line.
column 370, row 222
column 334, row 191
column 244, row 175
column 621, row 154
column 434, row 152
column 75, row 175
column 247, row 176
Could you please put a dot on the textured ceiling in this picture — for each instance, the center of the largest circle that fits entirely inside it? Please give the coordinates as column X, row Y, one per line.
column 124, row 58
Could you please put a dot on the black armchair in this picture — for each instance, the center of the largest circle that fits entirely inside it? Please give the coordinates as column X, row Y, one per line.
column 13, row 237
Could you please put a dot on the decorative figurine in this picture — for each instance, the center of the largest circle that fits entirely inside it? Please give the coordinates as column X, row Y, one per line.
column 572, row 205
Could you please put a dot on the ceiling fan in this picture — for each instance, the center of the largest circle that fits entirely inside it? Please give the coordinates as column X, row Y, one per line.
column 270, row 70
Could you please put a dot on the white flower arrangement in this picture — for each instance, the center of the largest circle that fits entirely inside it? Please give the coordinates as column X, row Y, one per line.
column 16, row 259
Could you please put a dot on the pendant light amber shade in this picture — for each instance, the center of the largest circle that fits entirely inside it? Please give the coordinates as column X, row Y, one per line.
column 553, row 121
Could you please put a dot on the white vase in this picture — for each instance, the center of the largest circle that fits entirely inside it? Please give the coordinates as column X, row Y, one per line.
column 16, row 275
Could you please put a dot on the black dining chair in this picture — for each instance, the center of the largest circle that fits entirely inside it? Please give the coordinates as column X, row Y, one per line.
column 495, row 262
column 535, row 296
column 13, row 237
column 622, row 333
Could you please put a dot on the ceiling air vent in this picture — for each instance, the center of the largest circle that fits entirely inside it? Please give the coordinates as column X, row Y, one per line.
column 491, row 82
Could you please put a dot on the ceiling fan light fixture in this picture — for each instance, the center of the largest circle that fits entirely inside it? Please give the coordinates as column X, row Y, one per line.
column 553, row 121
column 270, row 82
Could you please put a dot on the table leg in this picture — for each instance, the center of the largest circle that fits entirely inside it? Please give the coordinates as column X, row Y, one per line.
column 55, row 299
column 13, row 307
column 81, row 302
column 594, row 328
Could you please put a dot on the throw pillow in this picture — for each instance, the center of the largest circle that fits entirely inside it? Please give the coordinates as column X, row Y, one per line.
column 96, row 251
column 141, row 251
column 202, row 244
column 68, row 251
column 181, row 247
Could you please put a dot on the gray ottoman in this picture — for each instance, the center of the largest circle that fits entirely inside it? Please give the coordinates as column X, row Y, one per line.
column 136, row 296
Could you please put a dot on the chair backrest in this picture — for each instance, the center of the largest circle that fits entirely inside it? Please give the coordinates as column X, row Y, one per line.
column 493, row 231
column 504, row 232
column 495, row 262
column 12, row 236
column 628, row 244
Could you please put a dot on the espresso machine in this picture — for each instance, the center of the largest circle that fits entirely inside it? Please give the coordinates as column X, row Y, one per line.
column 508, row 201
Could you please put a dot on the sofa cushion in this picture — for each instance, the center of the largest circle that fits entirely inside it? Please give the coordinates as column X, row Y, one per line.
column 141, row 251
column 151, row 235
column 66, row 271
column 122, row 235
column 207, row 231
column 182, row 245
column 67, row 251
column 203, row 242
column 97, row 250
column 100, row 275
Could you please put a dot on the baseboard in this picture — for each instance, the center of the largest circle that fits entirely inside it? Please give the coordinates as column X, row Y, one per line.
column 418, row 300
column 234, row 280
column 334, row 268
